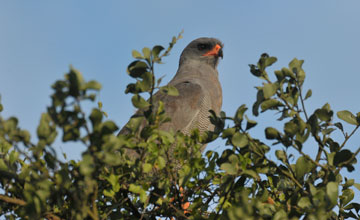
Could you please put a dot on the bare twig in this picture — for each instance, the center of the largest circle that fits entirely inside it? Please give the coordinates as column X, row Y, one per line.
column 348, row 137
column 12, row 200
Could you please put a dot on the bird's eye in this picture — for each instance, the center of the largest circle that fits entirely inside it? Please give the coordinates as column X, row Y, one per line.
column 203, row 46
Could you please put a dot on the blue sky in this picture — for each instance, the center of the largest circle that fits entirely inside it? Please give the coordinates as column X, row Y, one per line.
column 40, row 39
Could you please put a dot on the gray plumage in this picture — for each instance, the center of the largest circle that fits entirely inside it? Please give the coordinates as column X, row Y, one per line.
column 198, row 85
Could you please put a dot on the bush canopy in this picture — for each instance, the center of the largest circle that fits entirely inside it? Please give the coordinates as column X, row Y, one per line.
column 241, row 182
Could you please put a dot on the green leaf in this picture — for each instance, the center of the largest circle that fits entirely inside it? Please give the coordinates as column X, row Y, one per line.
column 280, row 215
column 3, row 165
column 146, row 51
column 108, row 127
column 185, row 174
column 340, row 126
column 229, row 168
column 324, row 114
column 87, row 165
column 135, row 188
column 347, row 196
column 169, row 90
column 1, row 108
column 95, row 117
column 302, row 167
column 288, row 73
column 239, row 140
column 270, row 104
column 147, row 167
column 348, row 117
column 228, row 132
column 250, row 123
column 160, row 162
column 270, row 61
column 296, row 64
column 357, row 186
column 139, row 102
column 279, row 75
column 93, row 85
column 281, row 155
column 114, row 181
column 269, row 90
column 252, row 174
column 146, row 84
column 332, row 192
column 108, row 193
column 308, row 94
column 156, row 50
column 272, row 133
column 137, row 55
column 43, row 129
column 349, row 183
column 291, row 128
column 239, row 115
column 75, row 80
column 304, row 202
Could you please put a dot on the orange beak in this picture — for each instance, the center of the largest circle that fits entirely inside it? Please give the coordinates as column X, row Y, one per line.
column 216, row 51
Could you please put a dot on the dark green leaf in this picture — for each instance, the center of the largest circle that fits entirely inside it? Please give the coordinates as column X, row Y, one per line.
column 239, row 115
column 342, row 156
column 279, row 75
column 340, row 126
column 108, row 127
column 156, row 50
column 255, row 71
column 250, row 123
column 291, row 128
column 137, row 68
column 95, row 117
column 271, row 133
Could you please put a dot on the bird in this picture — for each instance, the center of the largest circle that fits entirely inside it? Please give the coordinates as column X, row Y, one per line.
column 199, row 91
column 198, row 86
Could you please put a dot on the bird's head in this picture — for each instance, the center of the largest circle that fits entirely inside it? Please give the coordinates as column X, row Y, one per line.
column 204, row 49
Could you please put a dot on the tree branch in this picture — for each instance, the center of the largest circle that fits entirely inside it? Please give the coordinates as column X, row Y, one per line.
column 12, row 200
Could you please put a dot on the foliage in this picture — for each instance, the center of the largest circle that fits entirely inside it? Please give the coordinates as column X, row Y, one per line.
column 240, row 183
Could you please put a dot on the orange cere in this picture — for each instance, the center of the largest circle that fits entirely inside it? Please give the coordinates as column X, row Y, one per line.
column 213, row 51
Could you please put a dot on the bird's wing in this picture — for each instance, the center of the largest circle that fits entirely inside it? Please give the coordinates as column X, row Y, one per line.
column 184, row 109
